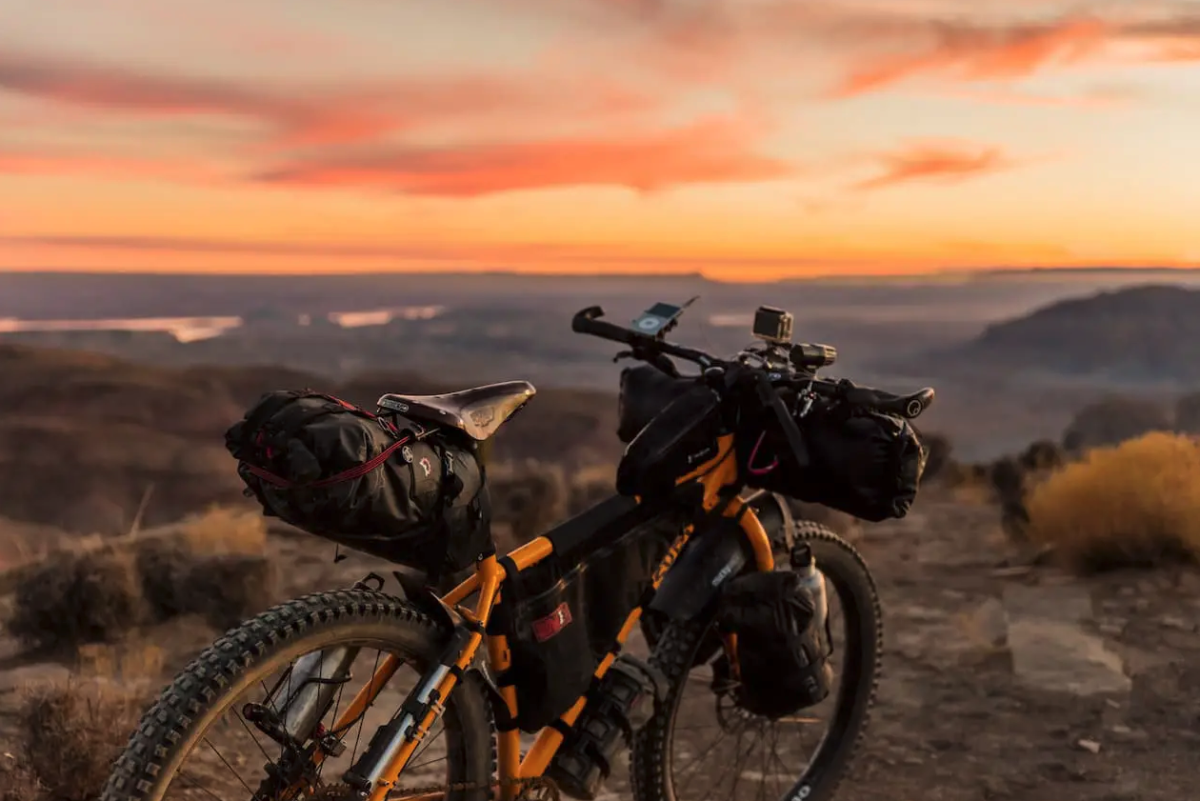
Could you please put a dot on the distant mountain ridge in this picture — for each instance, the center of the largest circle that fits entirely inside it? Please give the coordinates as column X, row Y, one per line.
column 1147, row 333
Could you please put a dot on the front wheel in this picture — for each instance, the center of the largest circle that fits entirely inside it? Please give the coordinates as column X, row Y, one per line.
column 199, row 741
column 678, row 755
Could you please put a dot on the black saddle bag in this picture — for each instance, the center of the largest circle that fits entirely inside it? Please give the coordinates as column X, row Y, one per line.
column 386, row 486
column 866, row 464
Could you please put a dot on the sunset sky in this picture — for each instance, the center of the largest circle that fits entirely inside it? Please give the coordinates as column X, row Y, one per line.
column 741, row 138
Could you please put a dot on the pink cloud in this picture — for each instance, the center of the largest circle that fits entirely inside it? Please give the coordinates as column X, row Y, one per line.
column 982, row 54
column 312, row 116
column 712, row 151
column 943, row 162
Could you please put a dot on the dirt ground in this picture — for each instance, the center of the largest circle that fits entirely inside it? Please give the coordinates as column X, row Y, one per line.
column 1000, row 681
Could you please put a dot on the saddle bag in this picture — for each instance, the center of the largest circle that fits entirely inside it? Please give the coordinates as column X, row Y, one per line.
column 780, row 649
column 386, row 486
column 866, row 464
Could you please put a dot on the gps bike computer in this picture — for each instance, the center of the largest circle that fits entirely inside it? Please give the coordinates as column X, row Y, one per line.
column 659, row 318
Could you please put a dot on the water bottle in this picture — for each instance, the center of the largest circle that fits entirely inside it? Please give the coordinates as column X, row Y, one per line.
column 814, row 641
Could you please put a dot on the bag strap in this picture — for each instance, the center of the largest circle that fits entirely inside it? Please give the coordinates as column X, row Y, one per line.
column 512, row 579
column 358, row 471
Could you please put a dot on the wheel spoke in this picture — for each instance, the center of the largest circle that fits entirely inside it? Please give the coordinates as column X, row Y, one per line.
column 362, row 718
column 225, row 761
column 202, row 789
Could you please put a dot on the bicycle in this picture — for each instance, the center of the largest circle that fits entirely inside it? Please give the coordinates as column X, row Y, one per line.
column 696, row 531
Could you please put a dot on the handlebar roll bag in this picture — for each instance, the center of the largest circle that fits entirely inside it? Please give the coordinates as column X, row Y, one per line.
column 677, row 440
column 383, row 485
column 865, row 464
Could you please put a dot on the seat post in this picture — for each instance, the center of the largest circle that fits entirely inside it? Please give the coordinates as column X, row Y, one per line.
column 483, row 451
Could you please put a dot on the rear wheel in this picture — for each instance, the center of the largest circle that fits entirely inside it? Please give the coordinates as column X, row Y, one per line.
column 196, row 742
column 678, row 756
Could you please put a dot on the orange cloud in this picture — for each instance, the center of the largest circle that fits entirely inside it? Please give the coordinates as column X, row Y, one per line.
column 713, row 151
column 983, row 53
column 308, row 116
column 932, row 161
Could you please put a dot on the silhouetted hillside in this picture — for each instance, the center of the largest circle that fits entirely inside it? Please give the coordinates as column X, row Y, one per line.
column 86, row 439
column 1147, row 333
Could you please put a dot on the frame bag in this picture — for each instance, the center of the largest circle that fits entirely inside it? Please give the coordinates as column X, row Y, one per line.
column 561, row 620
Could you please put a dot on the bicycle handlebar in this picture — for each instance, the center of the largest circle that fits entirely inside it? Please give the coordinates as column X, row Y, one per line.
column 651, row 349
column 587, row 321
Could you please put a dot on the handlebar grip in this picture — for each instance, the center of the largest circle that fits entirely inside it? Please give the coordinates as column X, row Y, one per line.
column 587, row 321
column 909, row 406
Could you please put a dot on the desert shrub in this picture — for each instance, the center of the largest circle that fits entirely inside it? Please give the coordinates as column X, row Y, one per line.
column 228, row 588
column 70, row 734
column 1042, row 455
column 1112, row 421
column 225, row 531
column 129, row 663
column 214, row 565
column 18, row 781
column 77, row 596
column 1137, row 503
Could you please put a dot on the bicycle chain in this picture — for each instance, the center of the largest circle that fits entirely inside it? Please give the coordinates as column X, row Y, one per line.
column 534, row 784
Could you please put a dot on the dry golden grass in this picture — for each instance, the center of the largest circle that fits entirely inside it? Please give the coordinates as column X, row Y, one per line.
column 221, row 531
column 1134, row 504
column 70, row 734
column 98, row 590
column 128, row 663
column 78, row 596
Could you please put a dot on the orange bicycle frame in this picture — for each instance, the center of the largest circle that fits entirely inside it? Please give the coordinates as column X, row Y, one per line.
column 716, row 474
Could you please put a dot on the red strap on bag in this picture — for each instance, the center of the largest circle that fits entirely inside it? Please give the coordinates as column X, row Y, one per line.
column 357, row 471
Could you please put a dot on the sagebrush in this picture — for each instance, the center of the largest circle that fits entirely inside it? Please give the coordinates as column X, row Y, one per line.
column 70, row 734
column 1137, row 503
column 97, row 591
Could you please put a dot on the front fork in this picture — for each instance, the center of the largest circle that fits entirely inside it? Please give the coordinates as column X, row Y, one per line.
column 292, row 713
column 394, row 742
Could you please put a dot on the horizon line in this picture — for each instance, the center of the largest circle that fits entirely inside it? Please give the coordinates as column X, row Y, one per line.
column 936, row 274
